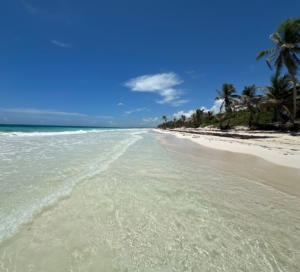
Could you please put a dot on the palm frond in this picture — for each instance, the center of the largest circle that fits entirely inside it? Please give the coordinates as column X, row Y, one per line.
column 295, row 59
column 279, row 63
column 290, row 62
column 287, row 109
column 276, row 39
column 264, row 53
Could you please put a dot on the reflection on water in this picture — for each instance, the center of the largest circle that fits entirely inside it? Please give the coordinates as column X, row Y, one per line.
column 156, row 209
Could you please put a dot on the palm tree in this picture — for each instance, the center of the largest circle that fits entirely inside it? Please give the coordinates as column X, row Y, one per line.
column 182, row 119
column 199, row 115
column 279, row 95
column 209, row 113
column 287, row 42
column 165, row 120
column 194, row 117
column 228, row 97
column 174, row 122
column 250, row 101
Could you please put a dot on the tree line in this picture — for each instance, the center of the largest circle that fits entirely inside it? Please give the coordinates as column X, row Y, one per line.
column 280, row 100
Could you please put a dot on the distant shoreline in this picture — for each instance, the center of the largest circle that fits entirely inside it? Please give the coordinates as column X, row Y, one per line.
column 279, row 148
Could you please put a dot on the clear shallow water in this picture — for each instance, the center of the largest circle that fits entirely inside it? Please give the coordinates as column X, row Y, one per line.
column 37, row 168
column 131, row 204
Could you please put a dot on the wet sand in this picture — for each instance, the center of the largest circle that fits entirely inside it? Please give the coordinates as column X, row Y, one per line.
column 278, row 148
column 242, row 162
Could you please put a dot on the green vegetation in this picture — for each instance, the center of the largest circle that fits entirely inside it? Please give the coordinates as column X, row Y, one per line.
column 281, row 99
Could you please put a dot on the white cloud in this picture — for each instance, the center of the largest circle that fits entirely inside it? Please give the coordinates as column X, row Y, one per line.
column 215, row 109
column 188, row 114
column 48, row 112
column 120, row 104
column 61, row 44
column 162, row 84
column 136, row 110
column 150, row 121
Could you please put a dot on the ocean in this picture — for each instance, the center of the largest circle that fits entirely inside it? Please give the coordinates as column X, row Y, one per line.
column 109, row 199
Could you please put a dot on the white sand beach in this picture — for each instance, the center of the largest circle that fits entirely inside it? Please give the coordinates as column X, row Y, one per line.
column 280, row 148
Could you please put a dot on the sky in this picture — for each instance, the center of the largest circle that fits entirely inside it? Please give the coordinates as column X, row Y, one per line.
column 126, row 63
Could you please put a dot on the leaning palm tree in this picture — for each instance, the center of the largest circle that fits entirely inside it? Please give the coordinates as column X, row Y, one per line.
column 287, row 42
column 229, row 97
column 279, row 95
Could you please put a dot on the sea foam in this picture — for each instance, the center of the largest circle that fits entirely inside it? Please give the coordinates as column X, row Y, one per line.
column 38, row 171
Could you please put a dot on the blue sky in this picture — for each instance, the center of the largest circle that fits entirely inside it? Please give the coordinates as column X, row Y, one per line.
column 128, row 62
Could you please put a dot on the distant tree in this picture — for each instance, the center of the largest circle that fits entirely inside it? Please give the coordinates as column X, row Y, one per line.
column 194, row 117
column 174, row 122
column 182, row 119
column 209, row 113
column 227, row 94
column 165, row 119
column 199, row 116
column 250, row 101
column 279, row 96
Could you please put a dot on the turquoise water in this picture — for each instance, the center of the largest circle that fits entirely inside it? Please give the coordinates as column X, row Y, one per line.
column 121, row 200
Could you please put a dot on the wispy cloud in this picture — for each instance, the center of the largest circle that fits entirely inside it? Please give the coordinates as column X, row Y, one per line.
column 150, row 121
column 62, row 44
column 62, row 14
column 5, row 119
column 48, row 112
column 162, row 84
column 120, row 104
column 193, row 74
column 30, row 8
column 136, row 110
column 35, row 111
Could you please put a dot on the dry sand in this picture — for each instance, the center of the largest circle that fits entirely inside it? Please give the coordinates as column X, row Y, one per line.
column 281, row 148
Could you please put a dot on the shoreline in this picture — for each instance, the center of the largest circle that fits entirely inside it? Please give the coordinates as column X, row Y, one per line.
column 277, row 148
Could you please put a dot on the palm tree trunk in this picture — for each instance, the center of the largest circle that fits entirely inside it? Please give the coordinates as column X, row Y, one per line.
column 220, row 117
column 250, row 119
column 279, row 115
column 294, row 98
column 229, row 112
